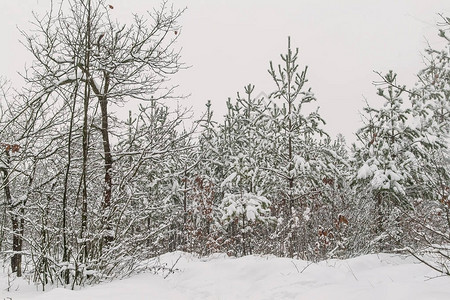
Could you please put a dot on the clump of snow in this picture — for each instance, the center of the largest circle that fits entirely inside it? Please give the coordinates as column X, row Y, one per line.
column 301, row 164
column 382, row 276
column 254, row 207
column 364, row 172
column 228, row 180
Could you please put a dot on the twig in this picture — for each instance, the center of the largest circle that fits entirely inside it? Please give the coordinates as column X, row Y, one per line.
column 171, row 270
column 295, row 266
column 428, row 264
column 300, row 272
column 352, row 272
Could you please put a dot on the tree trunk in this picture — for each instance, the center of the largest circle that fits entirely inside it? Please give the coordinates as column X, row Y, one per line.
column 379, row 211
column 86, row 97
column 66, row 186
column 16, row 260
column 107, row 160
column 17, row 222
column 107, row 153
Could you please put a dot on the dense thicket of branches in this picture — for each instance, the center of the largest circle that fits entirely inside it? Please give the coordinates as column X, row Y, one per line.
column 87, row 196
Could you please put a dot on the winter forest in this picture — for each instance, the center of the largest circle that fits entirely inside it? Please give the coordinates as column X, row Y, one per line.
column 87, row 196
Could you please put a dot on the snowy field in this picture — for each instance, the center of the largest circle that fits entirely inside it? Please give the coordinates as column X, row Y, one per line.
column 379, row 277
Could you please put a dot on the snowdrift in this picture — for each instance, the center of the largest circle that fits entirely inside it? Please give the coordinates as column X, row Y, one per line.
column 382, row 276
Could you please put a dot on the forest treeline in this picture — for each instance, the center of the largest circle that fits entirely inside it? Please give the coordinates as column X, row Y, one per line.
column 86, row 196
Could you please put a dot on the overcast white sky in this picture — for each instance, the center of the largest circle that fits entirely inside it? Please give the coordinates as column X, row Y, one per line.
column 229, row 44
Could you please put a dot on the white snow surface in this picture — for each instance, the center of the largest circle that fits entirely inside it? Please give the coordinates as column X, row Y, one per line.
column 377, row 276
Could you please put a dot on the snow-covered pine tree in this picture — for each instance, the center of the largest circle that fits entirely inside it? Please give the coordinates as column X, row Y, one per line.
column 387, row 162
column 294, row 133
column 244, row 204
column 431, row 109
column 201, row 190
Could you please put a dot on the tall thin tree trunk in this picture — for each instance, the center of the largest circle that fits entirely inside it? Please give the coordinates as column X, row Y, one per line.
column 292, row 235
column 87, row 94
column 66, row 187
column 107, row 193
column 2, row 227
column 107, row 153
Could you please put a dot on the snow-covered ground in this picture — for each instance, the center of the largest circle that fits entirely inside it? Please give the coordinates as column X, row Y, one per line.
column 379, row 277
